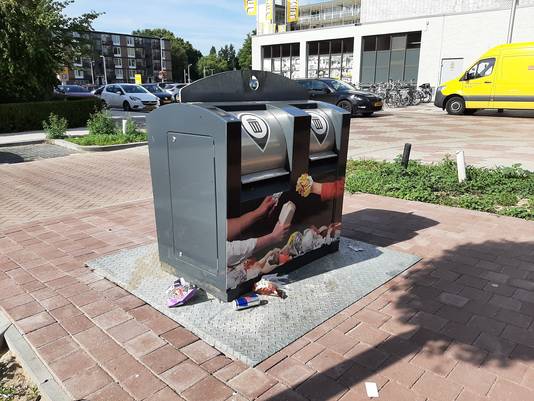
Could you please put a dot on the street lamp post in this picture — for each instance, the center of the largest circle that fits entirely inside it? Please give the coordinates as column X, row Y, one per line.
column 105, row 71
column 189, row 73
column 161, row 58
column 512, row 21
column 93, row 72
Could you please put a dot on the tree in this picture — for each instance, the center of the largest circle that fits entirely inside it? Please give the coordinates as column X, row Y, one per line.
column 36, row 43
column 211, row 64
column 182, row 52
column 244, row 55
column 228, row 54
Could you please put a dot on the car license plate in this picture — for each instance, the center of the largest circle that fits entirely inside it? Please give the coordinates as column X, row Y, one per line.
column 378, row 104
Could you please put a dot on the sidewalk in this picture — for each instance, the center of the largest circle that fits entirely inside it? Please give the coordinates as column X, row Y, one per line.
column 456, row 327
column 28, row 137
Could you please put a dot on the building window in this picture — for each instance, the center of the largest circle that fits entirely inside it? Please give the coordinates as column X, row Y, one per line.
column 105, row 38
column 390, row 57
column 78, row 74
column 131, row 74
column 131, row 63
column 116, row 40
column 119, row 74
column 78, row 61
column 282, row 59
column 131, row 52
column 130, row 41
column 331, row 58
column 118, row 62
column 117, row 51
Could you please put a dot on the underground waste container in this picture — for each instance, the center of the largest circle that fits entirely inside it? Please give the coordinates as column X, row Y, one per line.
column 248, row 177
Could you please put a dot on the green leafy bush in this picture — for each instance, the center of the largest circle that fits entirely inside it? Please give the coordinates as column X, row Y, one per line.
column 102, row 140
column 101, row 123
column 507, row 191
column 55, row 127
column 16, row 117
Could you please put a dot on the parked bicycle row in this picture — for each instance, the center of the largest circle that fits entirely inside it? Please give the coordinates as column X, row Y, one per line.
column 399, row 93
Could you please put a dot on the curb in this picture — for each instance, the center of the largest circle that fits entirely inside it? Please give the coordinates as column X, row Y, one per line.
column 95, row 148
column 32, row 142
column 49, row 389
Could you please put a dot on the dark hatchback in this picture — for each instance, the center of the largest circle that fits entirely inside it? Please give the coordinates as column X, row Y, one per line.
column 343, row 95
column 164, row 96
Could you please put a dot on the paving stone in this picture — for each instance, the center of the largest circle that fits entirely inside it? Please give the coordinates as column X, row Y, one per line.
column 291, row 372
column 183, row 376
column 77, row 324
column 26, row 310
column 437, row 388
column 126, row 331
column 487, row 325
column 506, row 368
column 87, row 382
column 122, row 367
column 308, row 352
column 394, row 391
column 251, row 383
column 321, row 388
column 366, row 334
column 439, row 364
column 179, row 337
column 367, row 356
column 54, row 302
column 97, row 308
column 57, row 349
column 208, row 388
column 45, row 335
column 504, row 390
column 453, row 299
column 163, row 359
column 165, row 395
column 112, row 318
column 401, row 371
column 144, row 344
column 112, row 392
column 72, row 365
column 142, row 384
column 200, row 351
column 356, row 376
column 216, row 363
column 330, row 363
column 230, row 371
column 35, row 322
column 473, row 378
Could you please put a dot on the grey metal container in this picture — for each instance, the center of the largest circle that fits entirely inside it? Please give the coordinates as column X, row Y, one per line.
column 239, row 138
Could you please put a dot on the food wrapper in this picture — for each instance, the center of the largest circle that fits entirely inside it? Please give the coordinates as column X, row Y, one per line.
column 180, row 293
column 304, row 185
column 265, row 287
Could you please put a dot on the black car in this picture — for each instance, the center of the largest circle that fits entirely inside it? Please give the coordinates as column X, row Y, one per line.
column 343, row 95
column 71, row 91
column 164, row 96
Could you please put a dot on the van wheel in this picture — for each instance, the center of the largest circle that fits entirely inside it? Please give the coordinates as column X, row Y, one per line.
column 455, row 105
column 126, row 106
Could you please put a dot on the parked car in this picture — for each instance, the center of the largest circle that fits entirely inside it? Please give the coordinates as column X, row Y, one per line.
column 127, row 96
column 342, row 94
column 174, row 89
column 164, row 96
column 72, row 91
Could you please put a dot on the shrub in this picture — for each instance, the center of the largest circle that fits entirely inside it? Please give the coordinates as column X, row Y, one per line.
column 101, row 123
column 131, row 127
column 16, row 117
column 55, row 127
column 102, row 140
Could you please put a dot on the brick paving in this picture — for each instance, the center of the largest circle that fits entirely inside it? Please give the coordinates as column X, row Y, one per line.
column 488, row 138
column 457, row 326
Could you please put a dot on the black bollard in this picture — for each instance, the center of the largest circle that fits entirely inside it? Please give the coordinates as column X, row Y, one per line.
column 406, row 155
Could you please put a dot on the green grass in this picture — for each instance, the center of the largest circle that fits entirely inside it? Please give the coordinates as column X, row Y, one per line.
column 506, row 191
column 115, row 139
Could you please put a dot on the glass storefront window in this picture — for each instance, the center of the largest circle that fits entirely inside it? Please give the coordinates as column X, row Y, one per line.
column 390, row 57
column 331, row 58
column 281, row 59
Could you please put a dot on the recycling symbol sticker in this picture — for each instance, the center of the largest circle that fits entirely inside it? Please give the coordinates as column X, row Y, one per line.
column 257, row 130
column 319, row 126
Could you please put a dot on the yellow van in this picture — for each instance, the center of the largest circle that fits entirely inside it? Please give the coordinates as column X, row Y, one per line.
column 503, row 78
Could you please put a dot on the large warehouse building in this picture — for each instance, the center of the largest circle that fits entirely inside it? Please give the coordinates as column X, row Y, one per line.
column 369, row 41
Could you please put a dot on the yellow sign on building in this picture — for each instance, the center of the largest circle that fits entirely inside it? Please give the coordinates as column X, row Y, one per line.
column 269, row 10
column 138, row 79
column 251, row 7
column 292, row 11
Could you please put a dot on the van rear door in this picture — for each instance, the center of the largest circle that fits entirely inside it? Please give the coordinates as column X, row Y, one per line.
column 514, row 88
column 477, row 83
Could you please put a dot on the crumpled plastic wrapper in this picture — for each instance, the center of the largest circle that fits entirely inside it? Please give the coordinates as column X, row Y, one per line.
column 180, row 293
column 304, row 185
column 270, row 285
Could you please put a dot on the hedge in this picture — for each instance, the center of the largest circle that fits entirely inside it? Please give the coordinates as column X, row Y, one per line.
column 16, row 117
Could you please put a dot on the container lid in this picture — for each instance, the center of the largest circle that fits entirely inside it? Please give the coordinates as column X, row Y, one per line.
column 243, row 86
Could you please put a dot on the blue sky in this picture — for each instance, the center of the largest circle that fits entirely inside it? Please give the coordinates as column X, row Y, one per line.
column 204, row 23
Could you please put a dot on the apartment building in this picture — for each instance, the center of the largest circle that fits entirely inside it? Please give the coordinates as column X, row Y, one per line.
column 115, row 58
column 367, row 41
